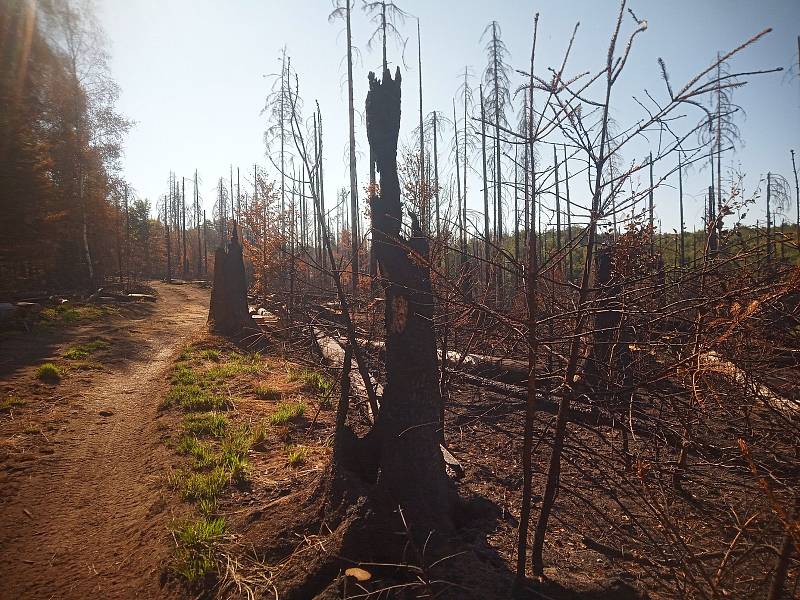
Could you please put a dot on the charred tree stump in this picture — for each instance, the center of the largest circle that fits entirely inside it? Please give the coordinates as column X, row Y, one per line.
column 412, row 471
column 227, row 313
column 609, row 355
column 608, row 370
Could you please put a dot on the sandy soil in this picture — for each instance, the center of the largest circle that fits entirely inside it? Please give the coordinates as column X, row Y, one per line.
column 82, row 513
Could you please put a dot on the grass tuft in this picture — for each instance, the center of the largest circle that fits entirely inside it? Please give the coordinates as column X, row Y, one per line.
column 260, row 436
column 48, row 372
column 312, row 381
column 205, row 424
column 233, row 453
column 210, row 355
column 202, row 454
column 191, row 397
column 264, row 392
column 286, row 412
column 204, row 486
column 195, row 552
column 75, row 353
column 9, row 403
column 296, row 455
column 184, row 375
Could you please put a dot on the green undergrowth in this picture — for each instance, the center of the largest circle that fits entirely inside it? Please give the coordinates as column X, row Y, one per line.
column 84, row 350
column 11, row 402
column 49, row 373
column 313, row 381
column 287, row 412
column 68, row 314
column 296, row 455
column 215, row 448
column 195, row 539
column 264, row 392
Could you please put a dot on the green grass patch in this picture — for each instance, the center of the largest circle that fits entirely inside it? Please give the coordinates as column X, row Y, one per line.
column 205, row 424
column 264, row 392
column 313, row 381
column 67, row 314
column 48, row 372
column 231, row 368
column 83, row 350
column 210, row 355
column 286, row 412
column 75, row 353
column 184, row 375
column 204, row 486
column 202, row 454
column 194, row 555
column 260, row 436
column 186, row 354
column 233, row 453
column 296, row 455
column 9, row 403
column 191, row 397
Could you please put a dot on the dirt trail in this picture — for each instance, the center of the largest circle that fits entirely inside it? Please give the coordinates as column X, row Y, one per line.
column 85, row 517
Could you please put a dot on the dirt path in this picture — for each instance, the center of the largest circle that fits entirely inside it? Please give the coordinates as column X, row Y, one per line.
column 81, row 512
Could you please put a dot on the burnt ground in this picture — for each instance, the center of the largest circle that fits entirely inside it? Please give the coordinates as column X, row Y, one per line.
column 87, row 510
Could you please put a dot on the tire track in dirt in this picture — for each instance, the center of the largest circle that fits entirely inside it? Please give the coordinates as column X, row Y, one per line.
column 89, row 520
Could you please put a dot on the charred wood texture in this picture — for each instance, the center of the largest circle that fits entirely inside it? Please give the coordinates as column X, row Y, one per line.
column 228, row 314
column 609, row 360
column 412, row 471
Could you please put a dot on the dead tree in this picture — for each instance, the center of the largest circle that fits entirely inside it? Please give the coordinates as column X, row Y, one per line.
column 227, row 313
column 412, row 470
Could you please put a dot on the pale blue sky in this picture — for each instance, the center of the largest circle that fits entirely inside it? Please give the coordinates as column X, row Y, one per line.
column 192, row 74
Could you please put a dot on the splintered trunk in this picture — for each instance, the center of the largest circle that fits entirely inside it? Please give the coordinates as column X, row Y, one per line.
column 228, row 314
column 412, row 470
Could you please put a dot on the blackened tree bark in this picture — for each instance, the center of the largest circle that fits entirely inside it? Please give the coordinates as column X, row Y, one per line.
column 412, row 470
column 228, row 314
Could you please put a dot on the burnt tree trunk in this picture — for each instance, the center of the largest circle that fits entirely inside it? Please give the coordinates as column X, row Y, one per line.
column 412, row 471
column 227, row 313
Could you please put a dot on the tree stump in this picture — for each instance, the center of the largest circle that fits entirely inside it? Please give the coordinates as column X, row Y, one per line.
column 227, row 313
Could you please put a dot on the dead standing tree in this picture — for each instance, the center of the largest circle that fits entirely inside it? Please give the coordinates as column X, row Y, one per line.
column 227, row 313
column 412, row 470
